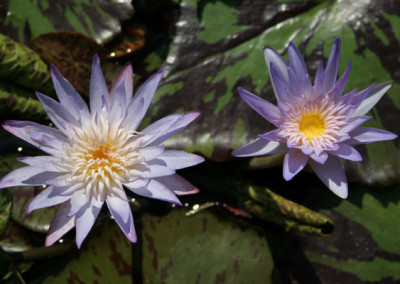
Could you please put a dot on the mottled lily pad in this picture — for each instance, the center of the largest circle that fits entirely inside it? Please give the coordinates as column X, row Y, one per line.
column 206, row 65
column 38, row 220
column 26, row 19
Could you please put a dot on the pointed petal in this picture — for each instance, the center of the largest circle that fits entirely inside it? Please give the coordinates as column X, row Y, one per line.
column 319, row 81
column 67, row 94
column 98, row 87
column 78, row 201
column 118, row 103
column 138, row 183
column 47, row 139
column 18, row 176
column 140, row 103
column 354, row 122
column 320, row 158
column 156, row 190
column 260, row 147
column 360, row 96
column 150, row 153
column 178, row 159
column 168, row 126
column 155, row 170
column 347, row 152
column 178, row 184
column 332, row 66
column 60, row 225
column 332, row 175
column 364, row 135
column 299, row 69
column 372, row 99
column 272, row 136
column 293, row 163
column 271, row 57
column 282, row 90
column 267, row 110
column 338, row 89
column 48, row 197
column 43, row 178
column 85, row 219
column 125, row 76
column 46, row 163
column 122, row 214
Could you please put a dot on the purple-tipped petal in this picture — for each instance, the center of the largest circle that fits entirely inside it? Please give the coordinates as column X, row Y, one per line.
column 178, row 184
column 67, row 94
column 319, row 81
column 119, row 208
column 118, row 103
column 122, row 214
column 140, row 103
column 338, row 89
column 293, row 163
column 347, row 152
column 281, row 88
column 300, row 70
column 332, row 66
column 60, row 225
column 150, row 153
column 46, row 163
column 43, row 178
column 359, row 97
column 354, row 122
column 332, row 175
column 178, row 159
column 166, row 127
column 364, row 135
column 98, row 87
column 267, row 110
column 373, row 97
column 18, row 176
column 320, row 158
column 126, row 76
column 155, row 170
column 156, row 190
column 47, row 139
column 48, row 197
column 260, row 147
column 271, row 57
column 84, row 221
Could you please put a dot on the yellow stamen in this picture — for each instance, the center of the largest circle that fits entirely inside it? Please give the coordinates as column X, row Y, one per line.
column 312, row 124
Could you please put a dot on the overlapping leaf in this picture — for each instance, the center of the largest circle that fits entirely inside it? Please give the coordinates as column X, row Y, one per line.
column 27, row 19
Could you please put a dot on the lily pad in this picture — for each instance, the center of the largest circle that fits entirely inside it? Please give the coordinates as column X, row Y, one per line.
column 27, row 19
column 5, row 209
column 38, row 220
column 206, row 65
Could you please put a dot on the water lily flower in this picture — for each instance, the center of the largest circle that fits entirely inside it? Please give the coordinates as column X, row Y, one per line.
column 94, row 154
column 315, row 123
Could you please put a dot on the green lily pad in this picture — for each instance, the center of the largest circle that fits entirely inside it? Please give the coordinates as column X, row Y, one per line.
column 217, row 250
column 5, row 209
column 22, row 66
column 25, row 20
column 38, row 220
column 205, row 69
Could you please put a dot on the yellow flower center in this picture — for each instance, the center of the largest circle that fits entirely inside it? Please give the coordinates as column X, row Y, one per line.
column 312, row 124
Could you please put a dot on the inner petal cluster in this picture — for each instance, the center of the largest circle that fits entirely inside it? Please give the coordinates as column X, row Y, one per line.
column 102, row 157
column 313, row 124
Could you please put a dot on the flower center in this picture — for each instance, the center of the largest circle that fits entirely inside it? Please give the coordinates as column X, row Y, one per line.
column 312, row 125
column 102, row 157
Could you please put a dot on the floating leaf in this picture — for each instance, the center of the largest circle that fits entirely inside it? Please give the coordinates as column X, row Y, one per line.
column 219, row 251
column 5, row 209
column 27, row 19
column 132, row 39
column 14, row 239
column 38, row 220
column 19, row 103
column 204, row 70
column 22, row 66
column 106, row 258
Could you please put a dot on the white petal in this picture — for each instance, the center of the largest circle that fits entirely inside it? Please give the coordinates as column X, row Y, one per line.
column 156, row 190
column 60, row 225
column 178, row 184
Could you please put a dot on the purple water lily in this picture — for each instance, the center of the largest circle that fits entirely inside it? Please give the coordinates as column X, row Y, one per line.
column 94, row 154
column 315, row 124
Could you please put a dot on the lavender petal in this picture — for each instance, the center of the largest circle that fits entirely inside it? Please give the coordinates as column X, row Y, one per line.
column 293, row 163
column 60, row 225
column 178, row 184
column 260, row 147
